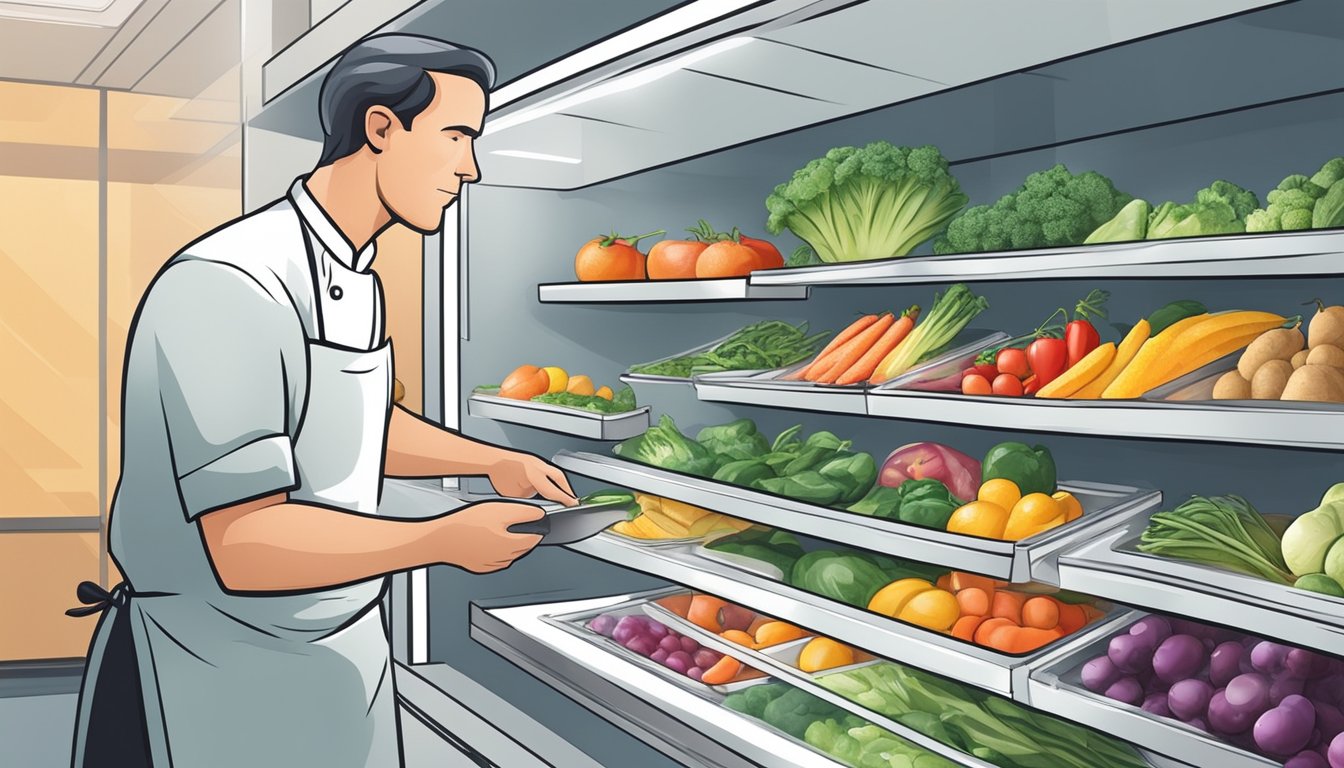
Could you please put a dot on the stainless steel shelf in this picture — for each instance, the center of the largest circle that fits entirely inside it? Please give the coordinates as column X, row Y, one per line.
column 658, row 291
column 1261, row 255
column 1295, row 425
column 568, row 421
column 1032, row 559
column 1054, row 687
column 690, row 728
column 928, row 650
column 1107, row 567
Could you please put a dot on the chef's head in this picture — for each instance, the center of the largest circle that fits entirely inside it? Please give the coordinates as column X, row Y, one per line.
column 411, row 107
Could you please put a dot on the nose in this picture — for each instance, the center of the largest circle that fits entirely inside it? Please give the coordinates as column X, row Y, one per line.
column 469, row 171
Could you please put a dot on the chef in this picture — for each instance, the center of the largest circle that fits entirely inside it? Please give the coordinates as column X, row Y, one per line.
column 257, row 425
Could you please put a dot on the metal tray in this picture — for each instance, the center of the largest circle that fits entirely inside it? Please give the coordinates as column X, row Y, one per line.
column 943, row 373
column 644, row 291
column 1032, row 559
column 556, row 418
column 1111, row 566
column 574, row 623
column 889, row 638
column 1054, row 686
column 630, row 377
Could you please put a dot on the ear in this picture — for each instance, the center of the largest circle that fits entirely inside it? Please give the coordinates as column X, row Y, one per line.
column 378, row 122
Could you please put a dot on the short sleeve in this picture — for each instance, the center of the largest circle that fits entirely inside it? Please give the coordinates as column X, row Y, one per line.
column 229, row 362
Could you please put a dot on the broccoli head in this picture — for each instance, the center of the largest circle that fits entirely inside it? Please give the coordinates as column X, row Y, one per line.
column 1218, row 209
column 1302, row 203
column 1330, row 173
column 871, row 202
column 1052, row 207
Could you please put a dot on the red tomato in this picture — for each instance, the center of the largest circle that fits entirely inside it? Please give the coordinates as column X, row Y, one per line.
column 984, row 369
column 1031, row 386
column 975, row 384
column 1049, row 358
column 1014, row 361
column 1008, row 385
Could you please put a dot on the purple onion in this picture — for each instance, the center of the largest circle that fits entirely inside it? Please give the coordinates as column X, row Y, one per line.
column 678, row 662
column 1307, row 759
column 1227, row 719
column 626, row 628
column 1283, row 687
column 1151, row 630
column 1335, row 752
column 642, row 644
column 1178, row 657
column 1329, row 720
column 1126, row 689
column 1189, row 699
column 695, row 673
column 670, row 644
column 1156, row 704
column 1268, row 657
column 1249, row 692
column 1130, row 654
column 603, row 625
column 1099, row 674
column 705, row 658
column 689, row 645
column 1286, row 729
column 655, row 630
column 659, row 656
column 1224, row 663
column 1304, row 664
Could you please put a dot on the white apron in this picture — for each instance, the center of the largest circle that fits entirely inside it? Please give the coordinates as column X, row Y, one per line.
column 280, row 679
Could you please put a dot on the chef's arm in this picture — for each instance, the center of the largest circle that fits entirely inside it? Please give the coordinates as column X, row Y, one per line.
column 417, row 447
column 273, row 544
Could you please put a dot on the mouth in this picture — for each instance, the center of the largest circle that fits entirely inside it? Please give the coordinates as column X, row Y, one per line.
column 446, row 192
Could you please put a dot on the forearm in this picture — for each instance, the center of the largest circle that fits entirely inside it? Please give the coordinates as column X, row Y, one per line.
column 419, row 448
column 270, row 546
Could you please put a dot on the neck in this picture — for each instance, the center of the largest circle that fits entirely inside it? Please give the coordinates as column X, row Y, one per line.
column 348, row 191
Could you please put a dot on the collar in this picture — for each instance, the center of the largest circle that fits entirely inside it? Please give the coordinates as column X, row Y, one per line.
column 327, row 233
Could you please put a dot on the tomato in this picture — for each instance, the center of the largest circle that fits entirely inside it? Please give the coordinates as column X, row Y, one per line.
column 1049, row 358
column 674, row 259
column 1014, row 361
column 611, row 257
column 726, row 259
column 975, row 384
column 1031, row 386
column 1080, row 337
column 768, row 255
column 1007, row 384
column 988, row 371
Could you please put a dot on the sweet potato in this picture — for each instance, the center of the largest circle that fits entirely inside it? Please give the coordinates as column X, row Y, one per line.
column 988, row 627
column 965, row 627
column 1007, row 605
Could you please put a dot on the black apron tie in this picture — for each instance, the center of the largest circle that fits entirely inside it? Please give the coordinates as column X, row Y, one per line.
column 116, row 733
column 95, row 599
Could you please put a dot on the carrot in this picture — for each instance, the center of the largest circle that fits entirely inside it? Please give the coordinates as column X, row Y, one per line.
column 965, row 627
column 1071, row 618
column 847, row 354
column 988, row 627
column 973, row 602
column 1031, row 638
column 1004, row 638
column 864, row 366
column 1041, row 613
column 1007, row 605
column 840, row 338
column 723, row 671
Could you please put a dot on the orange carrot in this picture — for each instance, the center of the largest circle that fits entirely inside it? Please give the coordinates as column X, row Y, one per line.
column 840, row 338
column 965, row 627
column 864, row 366
column 1007, row 605
column 835, row 359
column 849, row 353
column 723, row 671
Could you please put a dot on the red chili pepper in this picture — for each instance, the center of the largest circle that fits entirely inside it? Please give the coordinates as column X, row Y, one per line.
column 1049, row 358
column 1080, row 337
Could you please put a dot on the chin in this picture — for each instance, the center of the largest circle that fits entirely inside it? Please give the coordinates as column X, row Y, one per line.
column 428, row 224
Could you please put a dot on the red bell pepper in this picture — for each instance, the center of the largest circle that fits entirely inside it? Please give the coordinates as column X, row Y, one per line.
column 1080, row 336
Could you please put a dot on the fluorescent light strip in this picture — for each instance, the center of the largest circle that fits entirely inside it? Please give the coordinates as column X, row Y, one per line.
column 535, row 156
column 617, row 84
column 668, row 25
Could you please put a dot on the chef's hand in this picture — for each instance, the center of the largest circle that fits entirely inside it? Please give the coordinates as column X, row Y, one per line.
column 522, row 476
column 477, row 537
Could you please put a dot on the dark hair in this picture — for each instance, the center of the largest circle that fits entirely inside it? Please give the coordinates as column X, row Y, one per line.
column 392, row 71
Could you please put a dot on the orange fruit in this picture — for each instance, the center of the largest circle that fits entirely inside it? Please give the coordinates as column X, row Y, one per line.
column 824, row 653
column 934, row 609
column 604, row 392
column 525, row 383
column 610, row 257
column 705, row 612
column 1041, row 613
column 580, row 385
column 979, row 518
column 776, row 632
column 739, row 637
column 674, row 259
column 1034, row 513
column 726, row 259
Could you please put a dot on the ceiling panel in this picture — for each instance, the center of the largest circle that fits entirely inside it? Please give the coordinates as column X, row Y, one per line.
column 196, row 63
column 167, row 29
column 33, row 50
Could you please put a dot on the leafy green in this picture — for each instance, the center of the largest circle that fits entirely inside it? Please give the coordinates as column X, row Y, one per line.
column 808, row 486
column 1329, row 210
column 760, row 346
column 864, row 745
column 854, row 473
column 952, row 311
column 1052, row 208
column 1032, row 469
column 754, row 700
column 746, row 473
column 1220, row 208
column 871, row 202
column 841, row 576
column 735, row 440
column 1131, row 223
column 1223, row 531
column 926, row 502
column 990, row 727
column 802, row 256
column 664, row 446
column 622, row 401
column 881, row 501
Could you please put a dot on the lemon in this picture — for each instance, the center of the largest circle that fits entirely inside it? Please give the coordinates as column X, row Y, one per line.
column 824, row 653
column 559, row 379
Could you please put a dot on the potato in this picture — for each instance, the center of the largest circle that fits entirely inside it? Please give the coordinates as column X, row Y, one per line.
column 1327, row 327
column 1231, row 386
column 1315, row 383
column 1326, row 354
column 1300, row 359
column 1270, row 379
column 1278, row 344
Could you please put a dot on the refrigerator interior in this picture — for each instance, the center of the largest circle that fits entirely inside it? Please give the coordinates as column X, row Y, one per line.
column 1248, row 99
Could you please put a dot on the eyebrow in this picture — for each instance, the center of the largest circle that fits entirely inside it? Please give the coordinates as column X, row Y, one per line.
column 465, row 129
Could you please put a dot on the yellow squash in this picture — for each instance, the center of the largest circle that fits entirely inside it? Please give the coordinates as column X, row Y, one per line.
column 1083, row 372
column 1220, row 335
column 1150, row 363
column 1124, row 354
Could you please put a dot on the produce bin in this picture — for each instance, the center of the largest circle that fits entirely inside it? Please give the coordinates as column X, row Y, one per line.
column 556, row 418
